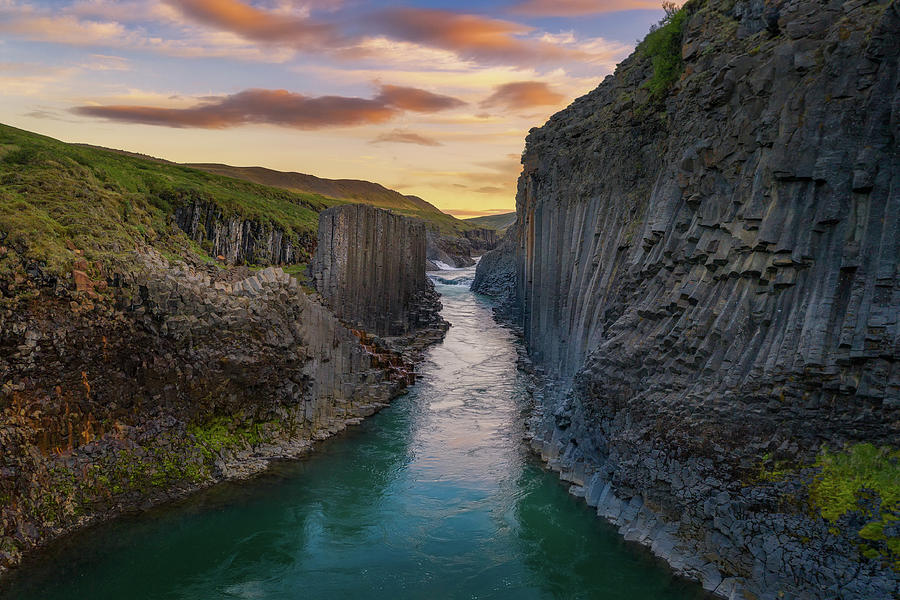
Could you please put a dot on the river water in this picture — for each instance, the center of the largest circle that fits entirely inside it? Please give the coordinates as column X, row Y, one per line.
column 434, row 497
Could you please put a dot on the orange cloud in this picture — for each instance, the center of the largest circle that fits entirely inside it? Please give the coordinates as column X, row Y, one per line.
column 416, row 100
column 469, row 36
column 575, row 8
column 405, row 137
column 278, row 107
column 522, row 94
column 259, row 25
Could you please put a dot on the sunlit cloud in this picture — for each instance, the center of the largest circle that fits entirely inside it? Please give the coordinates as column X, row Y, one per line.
column 470, row 36
column 464, row 213
column 577, row 8
column 260, row 25
column 408, row 98
column 278, row 107
column 522, row 94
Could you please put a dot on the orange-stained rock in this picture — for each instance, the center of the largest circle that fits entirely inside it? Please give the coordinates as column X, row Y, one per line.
column 83, row 283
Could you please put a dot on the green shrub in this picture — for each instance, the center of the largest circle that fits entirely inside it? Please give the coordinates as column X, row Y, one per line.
column 663, row 46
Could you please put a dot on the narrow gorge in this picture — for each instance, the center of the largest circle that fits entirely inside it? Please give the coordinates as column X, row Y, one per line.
column 674, row 376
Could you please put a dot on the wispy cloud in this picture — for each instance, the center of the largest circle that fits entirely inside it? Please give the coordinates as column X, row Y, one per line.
column 398, row 136
column 414, row 99
column 278, row 107
column 260, row 25
column 577, row 8
column 470, row 36
column 522, row 94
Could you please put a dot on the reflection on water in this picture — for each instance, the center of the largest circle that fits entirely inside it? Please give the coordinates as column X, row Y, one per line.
column 435, row 497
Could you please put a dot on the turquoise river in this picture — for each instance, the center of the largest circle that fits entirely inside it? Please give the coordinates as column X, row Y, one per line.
column 435, row 497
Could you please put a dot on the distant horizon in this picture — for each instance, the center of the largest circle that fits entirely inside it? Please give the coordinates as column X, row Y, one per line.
column 432, row 99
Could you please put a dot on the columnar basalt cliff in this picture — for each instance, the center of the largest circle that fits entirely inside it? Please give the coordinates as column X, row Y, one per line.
column 370, row 268
column 708, row 276
column 238, row 240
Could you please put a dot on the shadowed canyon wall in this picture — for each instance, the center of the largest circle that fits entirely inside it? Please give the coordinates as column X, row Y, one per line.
column 709, row 278
column 370, row 267
column 239, row 240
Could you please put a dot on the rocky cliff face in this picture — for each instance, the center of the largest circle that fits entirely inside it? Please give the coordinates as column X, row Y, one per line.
column 239, row 240
column 459, row 251
column 495, row 276
column 711, row 283
column 135, row 388
column 370, row 268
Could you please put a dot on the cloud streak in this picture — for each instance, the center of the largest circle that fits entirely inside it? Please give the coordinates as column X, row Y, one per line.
column 578, row 8
column 405, row 137
column 522, row 94
column 279, row 107
column 259, row 25
column 469, row 36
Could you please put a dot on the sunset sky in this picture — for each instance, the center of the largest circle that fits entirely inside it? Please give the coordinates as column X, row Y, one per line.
column 432, row 98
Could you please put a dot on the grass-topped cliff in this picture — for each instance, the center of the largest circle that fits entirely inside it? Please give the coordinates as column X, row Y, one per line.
column 348, row 191
column 55, row 195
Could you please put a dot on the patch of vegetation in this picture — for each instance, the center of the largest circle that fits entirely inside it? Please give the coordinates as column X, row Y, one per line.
column 865, row 479
column 775, row 470
column 225, row 433
column 142, row 469
column 846, row 475
column 663, row 46
column 56, row 196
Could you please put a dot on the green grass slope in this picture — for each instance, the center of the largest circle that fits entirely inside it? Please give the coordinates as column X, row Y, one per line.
column 499, row 222
column 55, row 196
column 346, row 190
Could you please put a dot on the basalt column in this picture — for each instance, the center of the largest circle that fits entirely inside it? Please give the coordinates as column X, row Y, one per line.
column 370, row 268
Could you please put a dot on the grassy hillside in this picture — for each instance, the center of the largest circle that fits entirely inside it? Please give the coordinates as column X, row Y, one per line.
column 498, row 222
column 346, row 190
column 56, row 196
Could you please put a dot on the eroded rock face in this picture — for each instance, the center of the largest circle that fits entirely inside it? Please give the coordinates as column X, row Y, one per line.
column 495, row 276
column 370, row 268
column 168, row 379
column 238, row 240
column 458, row 251
column 715, row 280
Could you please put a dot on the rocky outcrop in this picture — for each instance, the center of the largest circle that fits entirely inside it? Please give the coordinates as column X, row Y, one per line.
column 370, row 268
column 238, row 240
column 710, row 284
column 495, row 276
column 459, row 251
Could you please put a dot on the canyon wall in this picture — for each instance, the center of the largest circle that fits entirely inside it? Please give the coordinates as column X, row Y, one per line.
column 370, row 268
column 459, row 251
column 708, row 279
column 130, row 388
column 239, row 240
